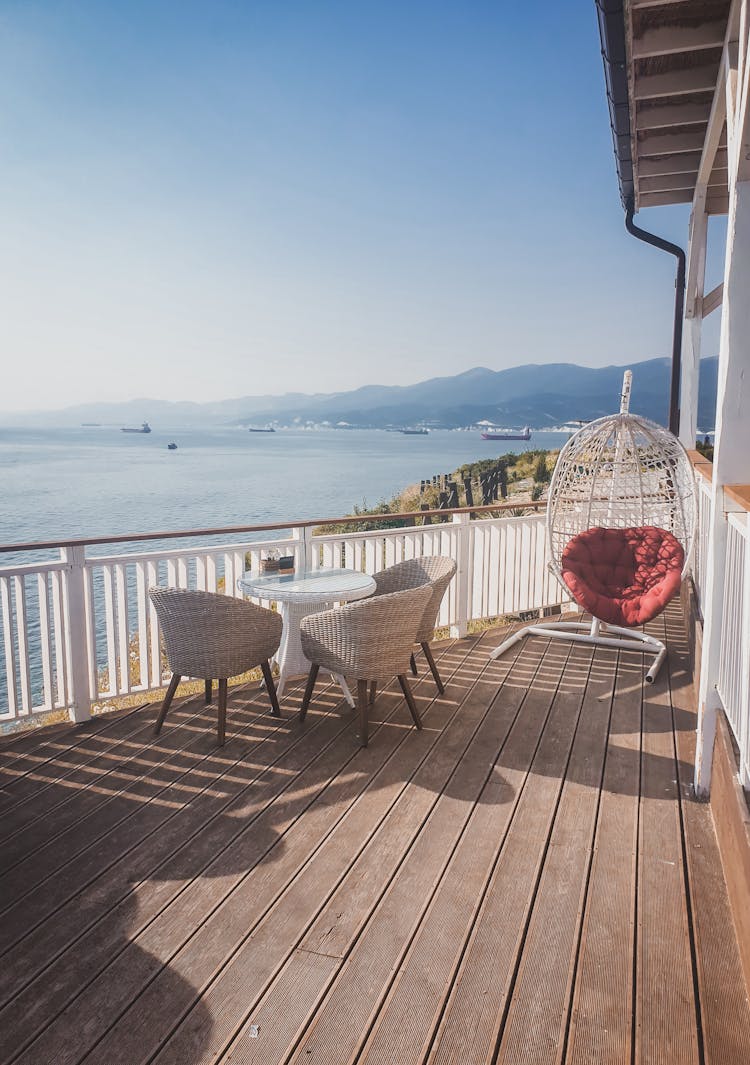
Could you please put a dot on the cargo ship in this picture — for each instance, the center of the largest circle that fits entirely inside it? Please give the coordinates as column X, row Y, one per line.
column 145, row 428
column 499, row 434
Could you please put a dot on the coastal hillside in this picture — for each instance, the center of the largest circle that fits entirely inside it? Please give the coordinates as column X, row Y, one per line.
column 536, row 395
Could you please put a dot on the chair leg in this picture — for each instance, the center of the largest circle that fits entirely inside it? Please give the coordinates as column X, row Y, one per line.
column 410, row 701
column 222, row 711
column 209, row 691
column 433, row 668
column 176, row 678
column 413, row 664
column 373, row 690
column 312, row 676
column 270, row 688
column 362, row 703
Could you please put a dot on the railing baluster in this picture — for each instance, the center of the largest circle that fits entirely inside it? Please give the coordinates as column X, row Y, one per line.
column 211, row 583
column 62, row 686
column 9, row 640
column 23, row 649
column 45, row 645
column 142, row 642
column 123, row 634
column 110, row 628
column 152, row 580
column 90, row 609
column 461, row 580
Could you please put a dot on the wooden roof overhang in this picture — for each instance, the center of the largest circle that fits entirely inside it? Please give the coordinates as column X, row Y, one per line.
column 662, row 63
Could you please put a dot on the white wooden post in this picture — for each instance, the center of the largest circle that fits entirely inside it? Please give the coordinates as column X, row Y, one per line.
column 463, row 574
column 303, row 548
column 74, row 557
column 731, row 460
column 693, row 323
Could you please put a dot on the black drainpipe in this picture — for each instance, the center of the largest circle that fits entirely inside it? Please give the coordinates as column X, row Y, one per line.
column 679, row 306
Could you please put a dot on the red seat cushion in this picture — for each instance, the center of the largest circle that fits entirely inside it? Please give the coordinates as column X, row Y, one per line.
column 623, row 576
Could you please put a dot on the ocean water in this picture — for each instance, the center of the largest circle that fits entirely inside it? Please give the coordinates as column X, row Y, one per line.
column 61, row 483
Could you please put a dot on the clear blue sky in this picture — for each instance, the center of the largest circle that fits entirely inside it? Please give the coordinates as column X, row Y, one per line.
column 201, row 200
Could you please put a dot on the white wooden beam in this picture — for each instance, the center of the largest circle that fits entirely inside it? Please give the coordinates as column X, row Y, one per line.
column 715, row 128
column 667, row 40
column 742, row 119
column 712, row 299
column 732, row 99
column 693, row 320
column 696, row 264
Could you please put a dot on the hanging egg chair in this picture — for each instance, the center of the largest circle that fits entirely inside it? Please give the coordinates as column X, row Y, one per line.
column 621, row 514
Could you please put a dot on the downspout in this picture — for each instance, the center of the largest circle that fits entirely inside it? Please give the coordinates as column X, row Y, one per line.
column 679, row 307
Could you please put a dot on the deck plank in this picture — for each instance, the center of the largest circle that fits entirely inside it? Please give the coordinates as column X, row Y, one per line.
column 173, row 900
column 477, row 991
column 351, row 912
column 602, row 1008
column 50, row 774
column 524, row 881
column 377, row 956
column 666, row 1023
column 39, row 903
column 99, row 805
column 535, row 1027
column 62, row 735
column 724, row 1006
column 434, row 808
column 242, row 946
column 144, row 880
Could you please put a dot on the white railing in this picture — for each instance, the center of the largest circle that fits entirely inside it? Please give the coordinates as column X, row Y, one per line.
column 81, row 629
column 733, row 684
column 733, row 681
column 734, row 633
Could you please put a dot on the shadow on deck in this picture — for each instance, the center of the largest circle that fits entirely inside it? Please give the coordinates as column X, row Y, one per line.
column 526, row 879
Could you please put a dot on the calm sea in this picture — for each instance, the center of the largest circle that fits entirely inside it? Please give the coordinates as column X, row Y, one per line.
column 61, row 483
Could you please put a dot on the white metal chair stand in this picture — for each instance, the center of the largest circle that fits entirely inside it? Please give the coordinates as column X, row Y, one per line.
column 597, row 632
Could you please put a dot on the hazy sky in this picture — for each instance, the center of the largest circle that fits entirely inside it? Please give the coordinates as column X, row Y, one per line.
column 204, row 200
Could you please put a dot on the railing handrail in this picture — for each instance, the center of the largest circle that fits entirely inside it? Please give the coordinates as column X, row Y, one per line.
column 701, row 464
column 228, row 530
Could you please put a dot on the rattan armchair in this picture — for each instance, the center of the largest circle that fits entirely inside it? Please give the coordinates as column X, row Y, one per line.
column 214, row 637
column 370, row 640
column 433, row 570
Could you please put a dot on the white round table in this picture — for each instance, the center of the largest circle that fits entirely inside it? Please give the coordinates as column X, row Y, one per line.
column 301, row 593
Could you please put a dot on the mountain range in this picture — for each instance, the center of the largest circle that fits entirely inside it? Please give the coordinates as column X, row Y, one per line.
column 535, row 395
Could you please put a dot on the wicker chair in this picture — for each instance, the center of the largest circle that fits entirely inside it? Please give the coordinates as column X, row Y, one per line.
column 214, row 637
column 435, row 570
column 370, row 640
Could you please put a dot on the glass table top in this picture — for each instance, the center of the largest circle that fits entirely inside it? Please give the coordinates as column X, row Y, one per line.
column 323, row 584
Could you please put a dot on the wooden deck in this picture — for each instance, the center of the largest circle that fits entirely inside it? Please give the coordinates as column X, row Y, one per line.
column 526, row 880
